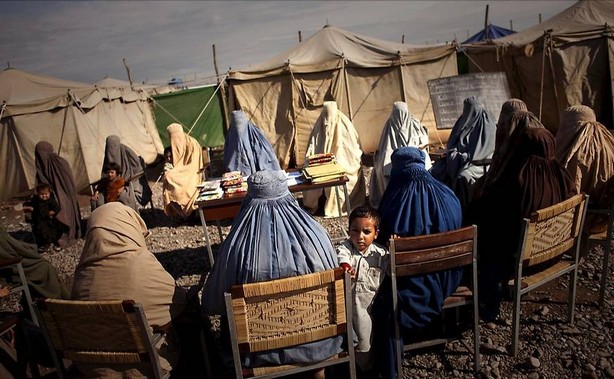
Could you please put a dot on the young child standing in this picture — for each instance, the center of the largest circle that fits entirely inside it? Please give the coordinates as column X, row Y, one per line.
column 111, row 187
column 367, row 263
column 46, row 227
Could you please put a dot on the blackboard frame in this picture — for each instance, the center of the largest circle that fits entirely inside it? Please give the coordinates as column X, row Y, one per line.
column 447, row 95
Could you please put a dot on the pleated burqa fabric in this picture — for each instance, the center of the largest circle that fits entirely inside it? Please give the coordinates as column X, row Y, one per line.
column 401, row 129
column 43, row 279
column 334, row 133
column 131, row 165
column 271, row 238
column 55, row 171
column 586, row 148
column 115, row 264
column 472, row 139
column 533, row 179
column 414, row 204
column 179, row 189
column 247, row 149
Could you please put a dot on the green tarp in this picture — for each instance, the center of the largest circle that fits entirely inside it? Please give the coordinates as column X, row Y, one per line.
column 185, row 107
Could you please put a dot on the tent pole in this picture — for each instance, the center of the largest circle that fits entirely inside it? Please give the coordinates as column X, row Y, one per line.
column 486, row 24
column 64, row 122
column 556, row 93
column 2, row 109
column 347, row 89
column 541, row 84
column 404, row 97
column 222, row 92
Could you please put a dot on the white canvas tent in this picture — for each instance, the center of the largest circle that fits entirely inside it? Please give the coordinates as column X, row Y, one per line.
column 566, row 60
column 75, row 118
column 365, row 76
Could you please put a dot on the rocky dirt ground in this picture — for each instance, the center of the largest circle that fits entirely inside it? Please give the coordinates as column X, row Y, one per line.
column 549, row 346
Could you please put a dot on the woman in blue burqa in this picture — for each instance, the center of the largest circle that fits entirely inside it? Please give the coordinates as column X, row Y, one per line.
column 271, row 238
column 414, row 204
column 472, row 139
column 401, row 129
column 247, row 149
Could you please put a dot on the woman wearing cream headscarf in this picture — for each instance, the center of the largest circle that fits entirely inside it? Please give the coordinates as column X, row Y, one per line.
column 179, row 185
column 334, row 133
column 586, row 148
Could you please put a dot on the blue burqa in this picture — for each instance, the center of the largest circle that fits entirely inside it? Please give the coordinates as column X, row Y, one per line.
column 271, row 238
column 247, row 149
column 413, row 204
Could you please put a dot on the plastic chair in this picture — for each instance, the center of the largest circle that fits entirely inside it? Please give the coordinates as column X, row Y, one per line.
column 420, row 255
column 289, row 312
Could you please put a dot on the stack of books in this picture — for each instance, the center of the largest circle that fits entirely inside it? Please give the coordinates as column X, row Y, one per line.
column 210, row 190
column 318, row 159
column 322, row 168
column 233, row 182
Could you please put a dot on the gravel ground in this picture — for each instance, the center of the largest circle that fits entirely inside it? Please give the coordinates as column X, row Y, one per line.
column 549, row 347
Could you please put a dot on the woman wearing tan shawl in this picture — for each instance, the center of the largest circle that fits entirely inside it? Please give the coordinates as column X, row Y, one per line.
column 115, row 264
column 586, row 148
column 179, row 186
column 334, row 133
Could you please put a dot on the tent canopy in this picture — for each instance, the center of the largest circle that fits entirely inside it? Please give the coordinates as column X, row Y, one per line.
column 284, row 95
column 575, row 67
column 490, row 32
column 75, row 118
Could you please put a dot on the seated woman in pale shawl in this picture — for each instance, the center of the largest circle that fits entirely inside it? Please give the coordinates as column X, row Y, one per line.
column 247, row 149
column 138, row 190
column 402, row 129
column 179, row 189
column 115, row 264
column 472, row 139
column 334, row 133
column 271, row 238
column 586, row 148
column 55, row 171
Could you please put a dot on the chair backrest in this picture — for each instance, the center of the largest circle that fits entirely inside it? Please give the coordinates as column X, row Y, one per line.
column 551, row 232
column 288, row 312
column 430, row 253
column 98, row 332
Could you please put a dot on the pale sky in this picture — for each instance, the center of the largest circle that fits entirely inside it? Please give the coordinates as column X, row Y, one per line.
column 86, row 40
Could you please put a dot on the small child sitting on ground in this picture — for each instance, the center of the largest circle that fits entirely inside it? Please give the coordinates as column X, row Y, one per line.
column 367, row 263
column 47, row 229
column 111, row 187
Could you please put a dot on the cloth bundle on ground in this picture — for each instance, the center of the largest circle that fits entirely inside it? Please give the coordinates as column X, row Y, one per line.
column 55, row 171
column 247, row 149
column 472, row 139
column 402, row 129
column 138, row 190
column 271, row 238
column 334, row 133
column 414, row 204
column 531, row 179
column 586, row 148
column 179, row 189
column 43, row 279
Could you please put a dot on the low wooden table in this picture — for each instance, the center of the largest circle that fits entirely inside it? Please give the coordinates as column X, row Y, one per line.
column 228, row 207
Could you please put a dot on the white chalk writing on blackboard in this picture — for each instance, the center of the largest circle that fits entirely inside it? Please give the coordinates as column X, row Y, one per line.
column 448, row 94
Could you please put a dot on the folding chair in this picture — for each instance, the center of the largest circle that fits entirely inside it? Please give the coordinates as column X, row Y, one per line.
column 290, row 312
column 99, row 333
column 551, row 233
column 420, row 255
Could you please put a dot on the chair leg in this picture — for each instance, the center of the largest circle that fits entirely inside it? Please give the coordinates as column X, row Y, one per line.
column 516, row 319
column 476, row 337
column 573, row 280
column 607, row 247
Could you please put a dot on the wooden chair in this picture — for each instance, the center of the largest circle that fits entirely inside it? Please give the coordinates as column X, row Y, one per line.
column 604, row 239
column 100, row 333
column 431, row 253
column 551, row 233
column 289, row 312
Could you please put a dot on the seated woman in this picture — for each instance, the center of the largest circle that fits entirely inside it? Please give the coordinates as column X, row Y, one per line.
column 414, row 204
column 531, row 180
column 116, row 264
column 55, row 171
column 334, row 133
column 271, row 238
column 472, row 140
column 586, row 149
column 131, row 165
column 247, row 149
column 179, row 189
column 402, row 129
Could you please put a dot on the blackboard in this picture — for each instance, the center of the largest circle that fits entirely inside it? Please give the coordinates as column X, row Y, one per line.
column 448, row 94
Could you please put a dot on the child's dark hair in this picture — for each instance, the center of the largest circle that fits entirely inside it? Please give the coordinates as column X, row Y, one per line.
column 43, row 187
column 365, row 211
column 112, row 166
column 168, row 150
